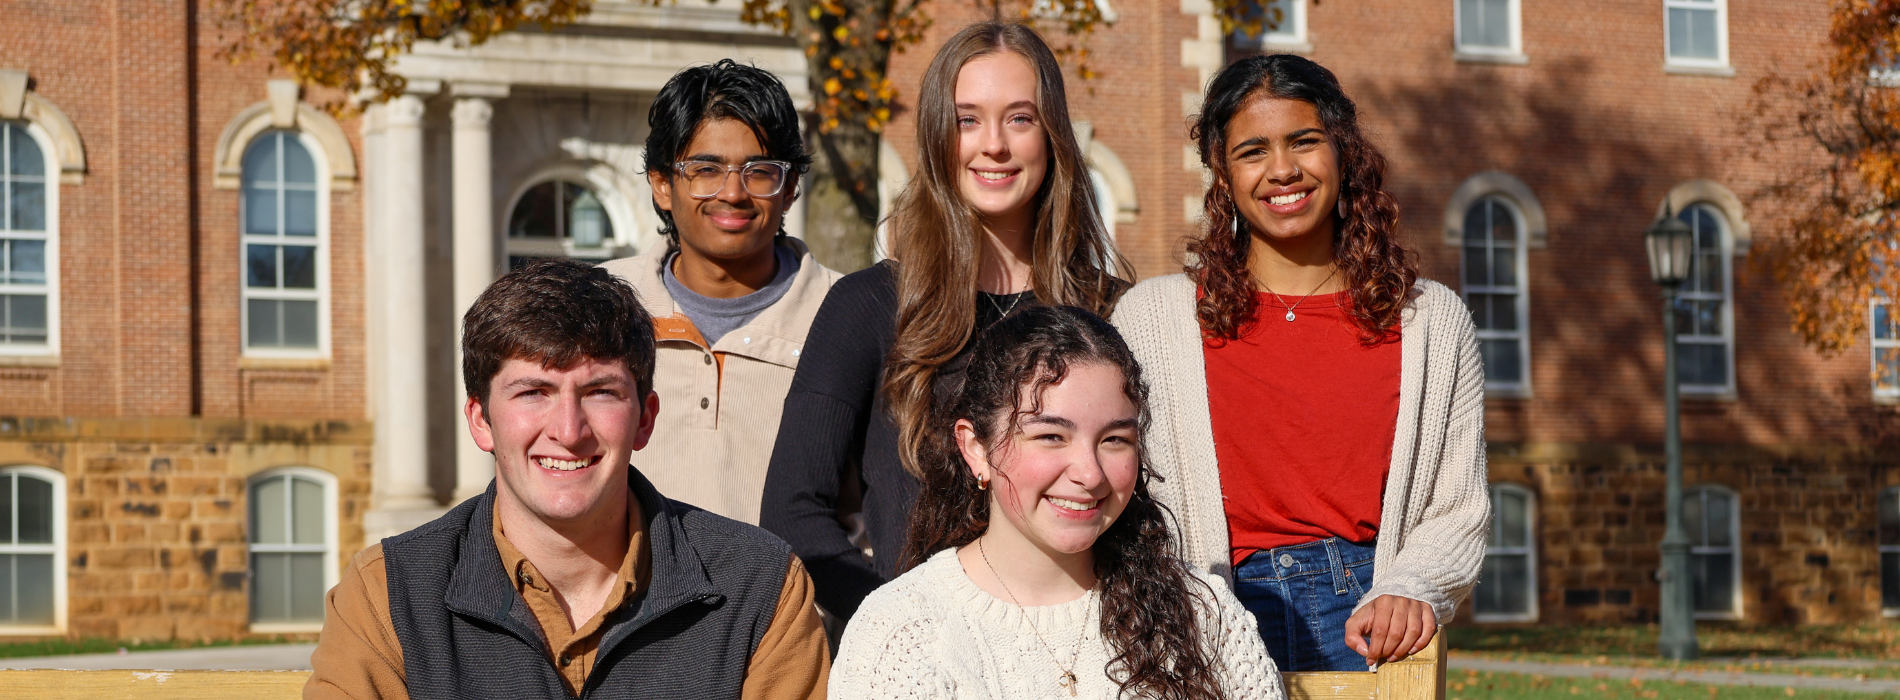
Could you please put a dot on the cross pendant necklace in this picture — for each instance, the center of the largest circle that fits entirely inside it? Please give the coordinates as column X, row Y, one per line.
column 1289, row 309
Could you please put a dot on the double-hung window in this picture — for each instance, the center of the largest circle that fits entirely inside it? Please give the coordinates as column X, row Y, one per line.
column 293, row 547
column 1697, row 32
column 1489, row 28
column 1705, row 334
column 1889, row 543
column 1884, row 328
column 26, row 242
column 1494, row 289
column 284, row 266
column 1507, row 587
column 1282, row 27
column 32, row 549
column 1715, row 564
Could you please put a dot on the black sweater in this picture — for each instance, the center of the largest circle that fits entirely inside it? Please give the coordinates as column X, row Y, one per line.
column 836, row 418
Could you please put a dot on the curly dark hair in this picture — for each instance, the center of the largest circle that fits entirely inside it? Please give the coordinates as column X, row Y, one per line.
column 1148, row 603
column 1379, row 273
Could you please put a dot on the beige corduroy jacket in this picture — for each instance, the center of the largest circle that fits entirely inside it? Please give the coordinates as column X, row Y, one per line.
column 720, row 405
column 1436, row 511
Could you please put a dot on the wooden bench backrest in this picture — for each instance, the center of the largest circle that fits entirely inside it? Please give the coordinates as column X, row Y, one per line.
column 1421, row 677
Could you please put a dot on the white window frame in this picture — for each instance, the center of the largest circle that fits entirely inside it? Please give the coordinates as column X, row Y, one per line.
column 1514, row 53
column 1734, row 549
column 1521, row 291
column 1720, row 62
column 331, row 569
column 1289, row 37
column 321, row 294
column 1885, row 548
column 1528, row 551
column 1727, row 297
column 1889, row 394
column 57, row 549
column 613, row 201
column 51, row 177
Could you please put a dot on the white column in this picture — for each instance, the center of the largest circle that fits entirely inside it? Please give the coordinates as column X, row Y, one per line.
column 474, row 261
column 402, row 424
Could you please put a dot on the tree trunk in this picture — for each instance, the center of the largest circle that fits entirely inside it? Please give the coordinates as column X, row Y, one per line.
column 841, row 191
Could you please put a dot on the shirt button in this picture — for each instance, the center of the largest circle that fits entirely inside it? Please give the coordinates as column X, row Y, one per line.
column 709, row 359
column 795, row 353
column 526, row 579
column 1286, row 560
column 747, row 341
column 565, row 659
column 704, row 403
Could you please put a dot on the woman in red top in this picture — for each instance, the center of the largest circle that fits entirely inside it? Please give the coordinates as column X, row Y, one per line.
column 1319, row 407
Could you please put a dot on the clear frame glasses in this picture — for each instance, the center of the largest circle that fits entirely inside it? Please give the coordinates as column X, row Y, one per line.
column 760, row 178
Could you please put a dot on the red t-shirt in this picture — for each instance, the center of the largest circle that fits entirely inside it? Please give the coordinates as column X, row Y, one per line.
column 1303, row 417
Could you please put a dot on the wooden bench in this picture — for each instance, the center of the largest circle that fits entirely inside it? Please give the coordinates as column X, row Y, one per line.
column 1421, row 677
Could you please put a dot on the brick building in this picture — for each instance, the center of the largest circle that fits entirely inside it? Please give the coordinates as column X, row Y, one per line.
column 227, row 318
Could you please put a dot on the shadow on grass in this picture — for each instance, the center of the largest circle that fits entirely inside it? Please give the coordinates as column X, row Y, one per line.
column 1510, row 686
column 1874, row 641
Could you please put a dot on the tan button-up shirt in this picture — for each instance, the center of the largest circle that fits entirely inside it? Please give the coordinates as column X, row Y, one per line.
column 720, row 404
column 359, row 657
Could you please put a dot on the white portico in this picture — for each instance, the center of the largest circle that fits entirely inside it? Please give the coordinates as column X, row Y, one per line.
column 527, row 146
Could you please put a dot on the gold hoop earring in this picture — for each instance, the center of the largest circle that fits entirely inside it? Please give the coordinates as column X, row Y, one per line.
column 983, row 483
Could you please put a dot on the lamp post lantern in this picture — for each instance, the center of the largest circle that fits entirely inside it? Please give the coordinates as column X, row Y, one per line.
column 1671, row 245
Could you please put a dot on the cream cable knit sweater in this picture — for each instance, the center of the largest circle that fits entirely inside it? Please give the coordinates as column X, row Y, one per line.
column 932, row 633
column 1436, row 511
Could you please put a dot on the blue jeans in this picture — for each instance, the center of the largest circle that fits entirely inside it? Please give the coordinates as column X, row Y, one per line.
column 1301, row 596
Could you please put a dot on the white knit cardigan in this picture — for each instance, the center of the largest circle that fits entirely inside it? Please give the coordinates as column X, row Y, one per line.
column 932, row 633
column 1436, row 511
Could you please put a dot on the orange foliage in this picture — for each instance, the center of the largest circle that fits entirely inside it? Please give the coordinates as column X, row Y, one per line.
column 349, row 44
column 1832, row 214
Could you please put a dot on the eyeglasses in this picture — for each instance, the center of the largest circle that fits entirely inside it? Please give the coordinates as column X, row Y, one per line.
column 760, row 178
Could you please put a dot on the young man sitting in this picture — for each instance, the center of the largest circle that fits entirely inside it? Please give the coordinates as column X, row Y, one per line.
column 732, row 295
column 572, row 576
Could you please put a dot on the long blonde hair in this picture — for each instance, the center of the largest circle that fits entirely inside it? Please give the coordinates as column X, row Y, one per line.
column 937, row 239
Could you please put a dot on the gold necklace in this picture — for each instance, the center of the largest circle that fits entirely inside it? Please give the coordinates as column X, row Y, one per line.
column 1068, row 676
column 1289, row 309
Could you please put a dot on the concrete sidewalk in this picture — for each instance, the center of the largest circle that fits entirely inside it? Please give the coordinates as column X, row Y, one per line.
column 260, row 657
column 1765, row 680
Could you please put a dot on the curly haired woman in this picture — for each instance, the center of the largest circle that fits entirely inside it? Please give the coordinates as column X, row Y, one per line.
column 1318, row 407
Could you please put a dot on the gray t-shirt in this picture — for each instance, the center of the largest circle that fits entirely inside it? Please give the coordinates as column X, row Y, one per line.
column 716, row 317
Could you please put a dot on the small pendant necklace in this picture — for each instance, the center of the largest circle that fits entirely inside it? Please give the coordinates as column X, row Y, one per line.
column 1001, row 310
column 1289, row 309
column 1068, row 674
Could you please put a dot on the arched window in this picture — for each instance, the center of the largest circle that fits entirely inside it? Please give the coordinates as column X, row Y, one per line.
column 1889, row 543
column 28, row 210
column 285, row 267
column 32, row 548
column 1494, row 289
column 560, row 219
column 1715, row 563
column 1507, row 588
column 293, row 548
column 1704, row 317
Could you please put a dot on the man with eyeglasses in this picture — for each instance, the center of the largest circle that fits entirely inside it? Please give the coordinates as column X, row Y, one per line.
column 731, row 295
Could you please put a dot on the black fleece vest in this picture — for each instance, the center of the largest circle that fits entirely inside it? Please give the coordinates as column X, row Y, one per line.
column 467, row 633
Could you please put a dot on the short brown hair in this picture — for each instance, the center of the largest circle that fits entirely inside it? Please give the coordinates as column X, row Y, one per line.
column 555, row 312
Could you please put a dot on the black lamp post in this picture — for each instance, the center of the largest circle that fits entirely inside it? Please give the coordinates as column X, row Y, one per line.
column 1671, row 246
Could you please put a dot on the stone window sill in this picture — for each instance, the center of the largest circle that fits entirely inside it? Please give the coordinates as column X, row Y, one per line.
column 1508, row 59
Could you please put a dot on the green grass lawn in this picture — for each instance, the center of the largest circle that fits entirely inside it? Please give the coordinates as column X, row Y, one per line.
column 1872, row 641
column 63, row 647
column 1761, row 649
column 1511, row 686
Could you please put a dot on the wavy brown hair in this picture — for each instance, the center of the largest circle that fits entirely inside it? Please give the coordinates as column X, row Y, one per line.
column 1379, row 273
column 938, row 240
column 1148, row 597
